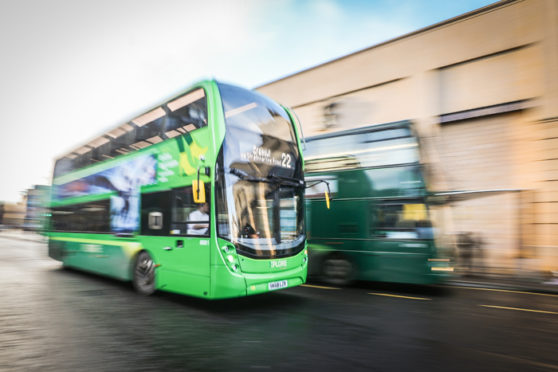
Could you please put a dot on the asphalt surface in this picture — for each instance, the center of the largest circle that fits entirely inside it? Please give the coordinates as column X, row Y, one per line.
column 52, row 319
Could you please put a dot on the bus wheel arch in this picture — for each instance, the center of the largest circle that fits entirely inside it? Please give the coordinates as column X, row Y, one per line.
column 143, row 273
column 337, row 269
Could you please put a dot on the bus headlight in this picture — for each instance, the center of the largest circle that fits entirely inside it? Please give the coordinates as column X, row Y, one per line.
column 230, row 257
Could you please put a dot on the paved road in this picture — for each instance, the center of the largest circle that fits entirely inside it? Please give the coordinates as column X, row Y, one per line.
column 60, row 320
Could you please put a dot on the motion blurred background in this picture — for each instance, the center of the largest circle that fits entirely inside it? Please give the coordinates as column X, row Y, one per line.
column 482, row 92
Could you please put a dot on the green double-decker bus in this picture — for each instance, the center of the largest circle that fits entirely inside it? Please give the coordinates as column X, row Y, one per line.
column 202, row 195
column 379, row 227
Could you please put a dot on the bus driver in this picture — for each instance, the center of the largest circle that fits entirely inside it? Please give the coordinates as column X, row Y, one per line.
column 199, row 215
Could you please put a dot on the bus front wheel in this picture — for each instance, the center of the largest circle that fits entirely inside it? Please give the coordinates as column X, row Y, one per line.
column 337, row 270
column 144, row 274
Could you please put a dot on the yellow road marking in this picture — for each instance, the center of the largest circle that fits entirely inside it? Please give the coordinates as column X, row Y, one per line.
column 398, row 296
column 506, row 291
column 317, row 286
column 520, row 309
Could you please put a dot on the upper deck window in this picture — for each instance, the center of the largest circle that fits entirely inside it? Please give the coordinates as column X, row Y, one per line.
column 361, row 150
column 178, row 116
column 246, row 110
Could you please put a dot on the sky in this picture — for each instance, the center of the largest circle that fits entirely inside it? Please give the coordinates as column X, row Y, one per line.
column 72, row 69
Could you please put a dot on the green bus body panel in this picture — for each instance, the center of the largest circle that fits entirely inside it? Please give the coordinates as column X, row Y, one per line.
column 379, row 261
column 227, row 284
column 298, row 134
column 347, row 227
column 183, row 270
column 100, row 253
column 257, row 266
column 197, row 268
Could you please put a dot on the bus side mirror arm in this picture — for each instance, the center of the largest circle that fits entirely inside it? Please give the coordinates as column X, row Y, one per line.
column 198, row 187
column 327, row 193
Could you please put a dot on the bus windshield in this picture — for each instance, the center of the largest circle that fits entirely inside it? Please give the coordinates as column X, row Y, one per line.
column 260, row 181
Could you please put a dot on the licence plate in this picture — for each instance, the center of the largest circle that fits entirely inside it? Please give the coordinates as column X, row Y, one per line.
column 277, row 285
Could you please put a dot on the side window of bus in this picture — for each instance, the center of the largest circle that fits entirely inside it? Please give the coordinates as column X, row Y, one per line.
column 400, row 221
column 188, row 217
column 92, row 217
column 155, row 213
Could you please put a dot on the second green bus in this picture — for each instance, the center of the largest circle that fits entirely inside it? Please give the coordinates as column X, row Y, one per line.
column 379, row 226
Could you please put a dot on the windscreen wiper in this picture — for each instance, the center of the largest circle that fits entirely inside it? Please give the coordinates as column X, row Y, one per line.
column 246, row 177
column 271, row 178
column 290, row 181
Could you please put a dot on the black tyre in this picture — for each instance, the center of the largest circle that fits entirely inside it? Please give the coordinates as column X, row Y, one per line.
column 337, row 270
column 144, row 274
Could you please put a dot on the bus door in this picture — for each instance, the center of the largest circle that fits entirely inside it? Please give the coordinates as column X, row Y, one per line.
column 176, row 231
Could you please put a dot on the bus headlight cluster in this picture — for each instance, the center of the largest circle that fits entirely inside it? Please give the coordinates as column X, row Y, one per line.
column 230, row 256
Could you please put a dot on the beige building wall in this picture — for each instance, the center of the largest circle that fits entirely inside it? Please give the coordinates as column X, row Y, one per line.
column 482, row 89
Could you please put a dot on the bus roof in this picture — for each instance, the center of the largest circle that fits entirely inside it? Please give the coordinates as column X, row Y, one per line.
column 366, row 129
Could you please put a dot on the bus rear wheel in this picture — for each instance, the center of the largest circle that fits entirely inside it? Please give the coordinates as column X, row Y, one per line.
column 337, row 270
column 144, row 274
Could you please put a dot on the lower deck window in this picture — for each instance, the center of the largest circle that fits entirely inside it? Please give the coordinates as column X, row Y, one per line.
column 401, row 221
column 174, row 212
column 86, row 217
